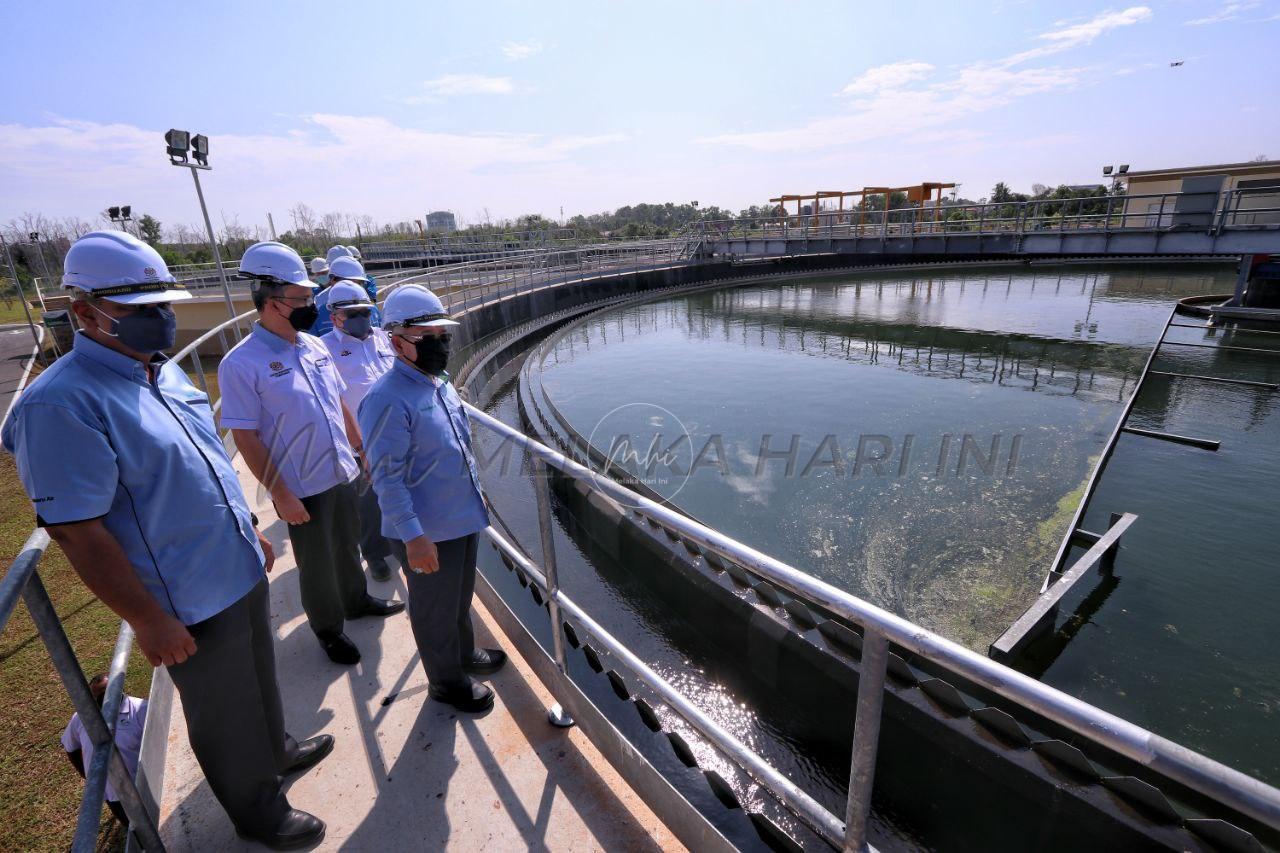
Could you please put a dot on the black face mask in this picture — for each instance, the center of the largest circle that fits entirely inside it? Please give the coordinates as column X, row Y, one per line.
column 432, row 354
column 151, row 329
column 358, row 326
column 304, row 317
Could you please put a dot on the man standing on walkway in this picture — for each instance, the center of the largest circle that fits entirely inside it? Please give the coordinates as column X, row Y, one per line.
column 282, row 401
column 362, row 354
column 429, row 489
column 120, row 456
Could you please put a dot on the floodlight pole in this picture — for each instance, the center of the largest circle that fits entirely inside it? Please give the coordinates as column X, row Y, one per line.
column 213, row 241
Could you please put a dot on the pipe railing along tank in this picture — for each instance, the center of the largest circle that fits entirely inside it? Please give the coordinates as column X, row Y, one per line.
column 1199, row 773
column 470, row 285
column 1215, row 211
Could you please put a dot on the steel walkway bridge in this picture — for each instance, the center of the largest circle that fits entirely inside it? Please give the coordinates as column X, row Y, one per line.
column 1232, row 222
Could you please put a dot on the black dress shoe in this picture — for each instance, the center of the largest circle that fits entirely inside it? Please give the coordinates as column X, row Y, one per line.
column 310, row 753
column 485, row 661
column 471, row 696
column 298, row 829
column 380, row 569
column 339, row 648
column 376, row 607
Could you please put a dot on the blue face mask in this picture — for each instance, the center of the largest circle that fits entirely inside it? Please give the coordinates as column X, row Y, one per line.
column 150, row 330
column 358, row 325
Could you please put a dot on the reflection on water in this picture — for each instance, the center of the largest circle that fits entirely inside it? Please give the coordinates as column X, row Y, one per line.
column 915, row 440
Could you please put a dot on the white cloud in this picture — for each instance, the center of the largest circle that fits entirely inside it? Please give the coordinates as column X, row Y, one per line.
column 1228, row 12
column 1069, row 35
column 896, row 112
column 461, row 85
column 515, row 51
column 893, row 101
column 892, row 76
column 331, row 161
column 1087, row 31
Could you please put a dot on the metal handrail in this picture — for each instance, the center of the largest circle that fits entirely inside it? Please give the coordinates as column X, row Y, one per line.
column 23, row 579
column 1197, row 772
column 1031, row 216
column 806, row 807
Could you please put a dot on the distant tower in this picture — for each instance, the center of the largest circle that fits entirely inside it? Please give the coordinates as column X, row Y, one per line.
column 441, row 220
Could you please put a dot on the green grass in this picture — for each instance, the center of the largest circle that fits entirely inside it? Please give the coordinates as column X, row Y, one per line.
column 11, row 312
column 41, row 790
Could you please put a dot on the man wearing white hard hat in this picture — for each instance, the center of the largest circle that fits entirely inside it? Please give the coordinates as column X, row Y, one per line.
column 119, row 454
column 342, row 269
column 319, row 271
column 282, row 401
column 428, row 486
column 336, row 252
column 362, row 354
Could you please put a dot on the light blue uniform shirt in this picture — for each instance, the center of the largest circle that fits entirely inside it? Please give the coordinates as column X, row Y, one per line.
column 418, row 441
column 291, row 395
column 94, row 438
column 324, row 322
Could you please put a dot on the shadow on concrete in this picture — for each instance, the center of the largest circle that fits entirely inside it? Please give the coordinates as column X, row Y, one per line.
column 414, row 805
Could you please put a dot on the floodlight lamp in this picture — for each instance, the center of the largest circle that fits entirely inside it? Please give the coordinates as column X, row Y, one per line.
column 1106, row 170
column 125, row 210
column 35, row 236
column 695, row 204
column 113, row 213
column 177, row 142
column 1123, row 169
column 200, row 148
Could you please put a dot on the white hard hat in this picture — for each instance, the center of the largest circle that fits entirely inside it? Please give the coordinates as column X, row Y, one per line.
column 346, row 294
column 275, row 263
column 355, row 252
column 346, row 267
column 412, row 305
column 337, row 252
column 319, row 265
column 118, row 266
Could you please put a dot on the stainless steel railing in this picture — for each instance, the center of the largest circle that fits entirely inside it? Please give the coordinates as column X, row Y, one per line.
column 1212, row 212
column 468, row 286
column 473, row 285
column 1199, row 773
column 22, row 579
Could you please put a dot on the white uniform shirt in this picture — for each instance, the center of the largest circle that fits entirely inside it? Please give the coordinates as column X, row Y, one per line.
column 290, row 394
column 133, row 716
column 360, row 363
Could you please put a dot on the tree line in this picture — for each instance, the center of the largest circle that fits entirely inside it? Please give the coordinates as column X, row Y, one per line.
column 311, row 232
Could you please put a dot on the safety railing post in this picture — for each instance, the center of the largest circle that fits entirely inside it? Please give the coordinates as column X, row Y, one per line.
column 67, row 665
column 199, row 369
column 866, row 739
column 542, row 487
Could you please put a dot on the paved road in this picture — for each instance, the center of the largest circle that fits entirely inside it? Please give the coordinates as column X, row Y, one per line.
column 15, row 352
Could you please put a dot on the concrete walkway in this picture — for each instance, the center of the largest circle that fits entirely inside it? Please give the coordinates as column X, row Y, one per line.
column 408, row 773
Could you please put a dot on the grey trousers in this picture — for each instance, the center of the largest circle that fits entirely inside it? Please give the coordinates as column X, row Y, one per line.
column 328, row 552
column 440, row 608
column 374, row 547
column 235, row 721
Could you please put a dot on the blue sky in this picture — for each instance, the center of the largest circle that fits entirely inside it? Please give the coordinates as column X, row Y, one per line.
column 392, row 109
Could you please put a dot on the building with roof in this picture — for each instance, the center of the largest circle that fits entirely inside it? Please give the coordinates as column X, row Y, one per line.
column 441, row 220
column 1257, row 181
